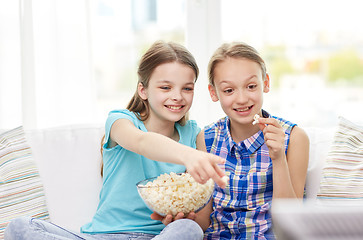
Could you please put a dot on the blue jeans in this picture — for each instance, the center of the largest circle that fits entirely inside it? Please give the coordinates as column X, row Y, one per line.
column 32, row 228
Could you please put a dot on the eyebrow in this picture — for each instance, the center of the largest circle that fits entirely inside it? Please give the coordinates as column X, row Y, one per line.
column 169, row 82
column 247, row 79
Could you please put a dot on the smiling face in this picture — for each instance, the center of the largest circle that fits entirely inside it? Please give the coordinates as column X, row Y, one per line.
column 239, row 86
column 170, row 91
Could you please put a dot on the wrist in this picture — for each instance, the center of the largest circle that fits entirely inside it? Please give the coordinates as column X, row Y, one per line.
column 279, row 160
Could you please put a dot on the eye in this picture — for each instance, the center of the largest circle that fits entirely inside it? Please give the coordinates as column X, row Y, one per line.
column 188, row 89
column 165, row 87
column 228, row 90
column 252, row 86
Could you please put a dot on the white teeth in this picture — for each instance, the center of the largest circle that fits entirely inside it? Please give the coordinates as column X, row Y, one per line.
column 174, row 107
column 242, row 110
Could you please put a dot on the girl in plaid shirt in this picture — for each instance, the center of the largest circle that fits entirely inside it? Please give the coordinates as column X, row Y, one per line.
column 265, row 161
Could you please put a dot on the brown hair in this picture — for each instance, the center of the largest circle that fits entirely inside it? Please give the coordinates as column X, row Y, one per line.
column 159, row 53
column 234, row 50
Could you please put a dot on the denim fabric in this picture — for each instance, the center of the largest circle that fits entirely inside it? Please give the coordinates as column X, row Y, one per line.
column 183, row 229
column 26, row 228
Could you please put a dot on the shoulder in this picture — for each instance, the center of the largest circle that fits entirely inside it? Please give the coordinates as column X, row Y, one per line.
column 216, row 126
column 122, row 114
column 188, row 132
column 115, row 115
column 298, row 136
column 189, row 126
column 215, row 132
column 285, row 124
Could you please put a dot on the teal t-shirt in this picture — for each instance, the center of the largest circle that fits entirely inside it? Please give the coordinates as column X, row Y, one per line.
column 120, row 208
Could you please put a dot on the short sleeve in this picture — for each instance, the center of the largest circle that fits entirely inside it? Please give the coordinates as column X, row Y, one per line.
column 188, row 133
column 121, row 114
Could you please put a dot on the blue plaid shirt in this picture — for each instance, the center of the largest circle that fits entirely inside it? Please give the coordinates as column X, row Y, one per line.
column 241, row 210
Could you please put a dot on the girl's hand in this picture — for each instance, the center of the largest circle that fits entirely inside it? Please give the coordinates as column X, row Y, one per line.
column 274, row 137
column 169, row 218
column 202, row 166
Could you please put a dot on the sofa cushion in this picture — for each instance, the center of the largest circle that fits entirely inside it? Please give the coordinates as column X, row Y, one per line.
column 343, row 169
column 68, row 158
column 320, row 142
column 21, row 188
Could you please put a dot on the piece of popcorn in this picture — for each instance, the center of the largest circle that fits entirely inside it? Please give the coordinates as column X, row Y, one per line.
column 255, row 119
column 225, row 179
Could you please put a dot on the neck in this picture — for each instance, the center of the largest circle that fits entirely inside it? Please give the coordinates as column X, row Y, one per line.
column 240, row 132
column 164, row 128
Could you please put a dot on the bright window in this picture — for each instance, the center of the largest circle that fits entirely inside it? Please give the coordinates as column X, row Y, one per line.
column 313, row 51
column 71, row 62
column 121, row 33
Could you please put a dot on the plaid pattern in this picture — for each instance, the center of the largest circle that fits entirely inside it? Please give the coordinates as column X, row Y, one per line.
column 241, row 210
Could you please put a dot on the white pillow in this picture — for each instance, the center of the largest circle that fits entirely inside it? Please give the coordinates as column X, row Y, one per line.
column 320, row 142
column 21, row 189
column 68, row 159
column 342, row 175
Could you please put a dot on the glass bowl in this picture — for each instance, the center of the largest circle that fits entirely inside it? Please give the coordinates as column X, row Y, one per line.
column 175, row 192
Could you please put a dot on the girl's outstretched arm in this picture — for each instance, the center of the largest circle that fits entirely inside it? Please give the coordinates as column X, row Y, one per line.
column 200, row 165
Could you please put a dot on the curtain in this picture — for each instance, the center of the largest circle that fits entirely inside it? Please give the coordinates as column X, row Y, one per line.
column 45, row 63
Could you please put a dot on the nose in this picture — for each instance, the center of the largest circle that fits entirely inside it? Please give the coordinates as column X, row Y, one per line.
column 241, row 97
column 176, row 95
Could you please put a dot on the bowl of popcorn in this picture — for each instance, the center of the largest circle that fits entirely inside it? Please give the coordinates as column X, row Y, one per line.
column 175, row 192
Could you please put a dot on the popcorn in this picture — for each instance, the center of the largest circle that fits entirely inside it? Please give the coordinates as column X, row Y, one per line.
column 225, row 180
column 255, row 119
column 173, row 193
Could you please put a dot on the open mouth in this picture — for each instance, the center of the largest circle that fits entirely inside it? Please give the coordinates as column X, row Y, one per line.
column 175, row 107
column 244, row 109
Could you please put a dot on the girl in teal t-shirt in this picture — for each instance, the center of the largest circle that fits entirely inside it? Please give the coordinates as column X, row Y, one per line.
column 141, row 142
column 122, row 170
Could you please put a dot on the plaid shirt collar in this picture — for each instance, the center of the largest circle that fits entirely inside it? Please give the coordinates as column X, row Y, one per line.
column 251, row 144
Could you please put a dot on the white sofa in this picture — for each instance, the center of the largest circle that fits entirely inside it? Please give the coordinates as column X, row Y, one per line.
column 69, row 157
column 69, row 161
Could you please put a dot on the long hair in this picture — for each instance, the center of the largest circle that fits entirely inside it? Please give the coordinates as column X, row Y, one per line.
column 159, row 53
column 234, row 50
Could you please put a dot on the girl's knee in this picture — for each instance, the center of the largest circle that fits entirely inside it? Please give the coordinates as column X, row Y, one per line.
column 183, row 229
column 17, row 227
column 20, row 222
column 190, row 225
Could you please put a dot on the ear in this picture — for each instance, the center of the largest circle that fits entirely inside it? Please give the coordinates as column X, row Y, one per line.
column 141, row 90
column 213, row 93
column 266, row 84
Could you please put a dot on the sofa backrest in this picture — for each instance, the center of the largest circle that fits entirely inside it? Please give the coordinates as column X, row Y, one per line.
column 320, row 142
column 69, row 161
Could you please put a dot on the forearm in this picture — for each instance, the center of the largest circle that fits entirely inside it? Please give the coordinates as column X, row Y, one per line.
column 160, row 148
column 203, row 216
column 282, row 184
column 289, row 172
